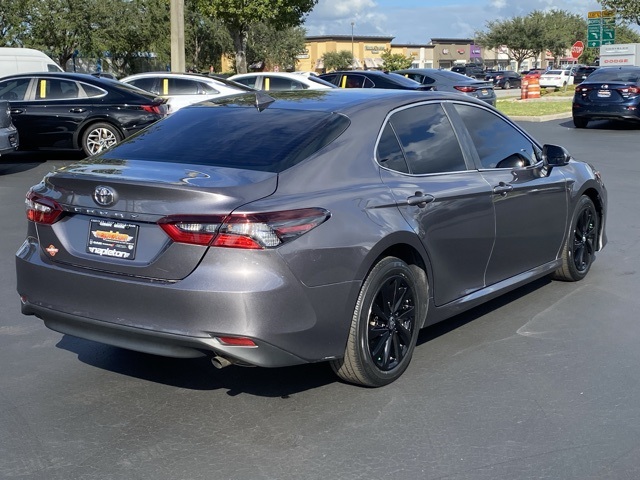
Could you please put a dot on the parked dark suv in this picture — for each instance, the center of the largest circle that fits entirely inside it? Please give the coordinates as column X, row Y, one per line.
column 474, row 71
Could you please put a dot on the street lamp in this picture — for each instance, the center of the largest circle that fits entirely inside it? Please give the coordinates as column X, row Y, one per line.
column 352, row 59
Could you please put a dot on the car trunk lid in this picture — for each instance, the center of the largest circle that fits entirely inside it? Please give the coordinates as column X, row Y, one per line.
column 111, row 210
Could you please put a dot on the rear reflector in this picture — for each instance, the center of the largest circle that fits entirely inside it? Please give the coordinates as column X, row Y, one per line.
column 237, row 341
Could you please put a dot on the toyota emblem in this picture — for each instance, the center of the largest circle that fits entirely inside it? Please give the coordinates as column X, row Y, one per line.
column 104, row 196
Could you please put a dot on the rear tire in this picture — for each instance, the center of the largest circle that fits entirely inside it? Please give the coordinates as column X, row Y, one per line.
column 98, row 137
column 385, row 325
column 579, row 249
column 580, row 122
column 507, row 85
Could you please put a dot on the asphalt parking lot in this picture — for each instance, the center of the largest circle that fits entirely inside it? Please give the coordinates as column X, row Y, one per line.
column 542, row 383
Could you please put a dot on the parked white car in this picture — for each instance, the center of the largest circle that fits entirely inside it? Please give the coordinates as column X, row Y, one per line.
column 556, row 78
column 281, row 81
column 181, row 89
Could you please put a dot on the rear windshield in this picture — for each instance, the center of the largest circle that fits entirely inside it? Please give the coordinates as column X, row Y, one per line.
column 234, row 137
column 613, row 74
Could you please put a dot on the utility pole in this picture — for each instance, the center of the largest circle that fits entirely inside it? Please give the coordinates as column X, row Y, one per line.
column 177, row 36
column 352, row 57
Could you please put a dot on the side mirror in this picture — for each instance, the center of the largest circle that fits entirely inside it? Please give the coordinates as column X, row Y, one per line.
column 555, row 156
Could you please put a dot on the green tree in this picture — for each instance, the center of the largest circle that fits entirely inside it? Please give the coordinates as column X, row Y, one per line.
column 13, row 24
column 512, row 33
column 240, row 15
column 628, row 10
column 273, row 46
column 561, row 30
column 341, row 60
column 127, row 31
column 59, row 27
column 206, row 40
column 395, row 61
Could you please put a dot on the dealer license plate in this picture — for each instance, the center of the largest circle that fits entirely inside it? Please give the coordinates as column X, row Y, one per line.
column 112, row 238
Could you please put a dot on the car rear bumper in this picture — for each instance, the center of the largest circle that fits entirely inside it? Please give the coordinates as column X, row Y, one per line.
column 260, row 300
column 620, row 112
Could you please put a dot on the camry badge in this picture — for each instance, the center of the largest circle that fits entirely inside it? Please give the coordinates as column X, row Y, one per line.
column 104, row 196
column 51, row 250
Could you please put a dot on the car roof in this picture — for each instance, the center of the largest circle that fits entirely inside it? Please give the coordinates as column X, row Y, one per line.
column 339, row 100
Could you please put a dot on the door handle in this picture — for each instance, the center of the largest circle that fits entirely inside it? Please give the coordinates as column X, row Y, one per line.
column 17, row 111
column 420, row 199
column 78, row 110
column 502, row 188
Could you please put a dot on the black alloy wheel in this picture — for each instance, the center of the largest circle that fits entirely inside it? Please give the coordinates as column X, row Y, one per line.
column 580, row 247
column 385, row 324
column 391, row 323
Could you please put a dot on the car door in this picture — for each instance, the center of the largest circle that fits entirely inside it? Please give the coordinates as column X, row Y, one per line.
column 448, row 204
column 530, row 200
column 50, row 113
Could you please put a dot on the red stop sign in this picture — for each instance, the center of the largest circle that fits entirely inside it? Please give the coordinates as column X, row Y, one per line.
column 577, row 49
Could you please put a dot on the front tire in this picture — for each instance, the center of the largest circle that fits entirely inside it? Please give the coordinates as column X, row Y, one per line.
column 98, row 137
column 580, row 246
column 385, row 325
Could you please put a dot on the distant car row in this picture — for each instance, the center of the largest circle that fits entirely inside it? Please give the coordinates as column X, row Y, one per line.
column 55, row 110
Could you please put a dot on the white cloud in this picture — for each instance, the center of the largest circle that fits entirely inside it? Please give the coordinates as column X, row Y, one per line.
column 341, row 9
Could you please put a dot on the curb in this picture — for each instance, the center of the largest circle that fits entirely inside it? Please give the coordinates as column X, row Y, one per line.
column 540, row 118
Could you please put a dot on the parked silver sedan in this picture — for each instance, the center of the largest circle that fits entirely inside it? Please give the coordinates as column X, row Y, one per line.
column 313, row 226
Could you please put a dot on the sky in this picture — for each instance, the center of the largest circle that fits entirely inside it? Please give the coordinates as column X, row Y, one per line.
column 417, row 22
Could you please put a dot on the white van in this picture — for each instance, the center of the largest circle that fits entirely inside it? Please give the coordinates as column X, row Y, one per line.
column 25, row 60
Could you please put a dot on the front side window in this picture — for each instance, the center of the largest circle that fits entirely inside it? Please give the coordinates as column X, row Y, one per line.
column 499, row 144
column 428, row 140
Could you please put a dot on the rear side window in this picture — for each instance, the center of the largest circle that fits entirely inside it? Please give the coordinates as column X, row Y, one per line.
column 145, row 84
column 278, row 83
column 54, row 89
column 427, row 139
column 92, row 91
column 14, row 90
column 234, row 137
column 248, row 81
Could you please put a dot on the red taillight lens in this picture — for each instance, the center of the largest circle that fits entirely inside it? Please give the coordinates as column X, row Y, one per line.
column 465, row 89
column 42, row 209
column 633, row 90
column 246, row 231
column 153, row 109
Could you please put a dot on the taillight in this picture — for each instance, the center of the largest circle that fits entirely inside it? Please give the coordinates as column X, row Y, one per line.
column 632, row 90
column 152, row 109
column 42, row 209
column 246, row 231
column 465, row 89
column 580, row 89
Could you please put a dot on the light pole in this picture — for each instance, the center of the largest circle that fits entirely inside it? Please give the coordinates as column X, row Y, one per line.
column 352, row 58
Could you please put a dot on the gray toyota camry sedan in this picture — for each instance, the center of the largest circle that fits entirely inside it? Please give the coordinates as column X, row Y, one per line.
column 325, row 226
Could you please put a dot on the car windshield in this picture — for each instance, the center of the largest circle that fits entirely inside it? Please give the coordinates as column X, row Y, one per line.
column 271, row 140
column 615, row 75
